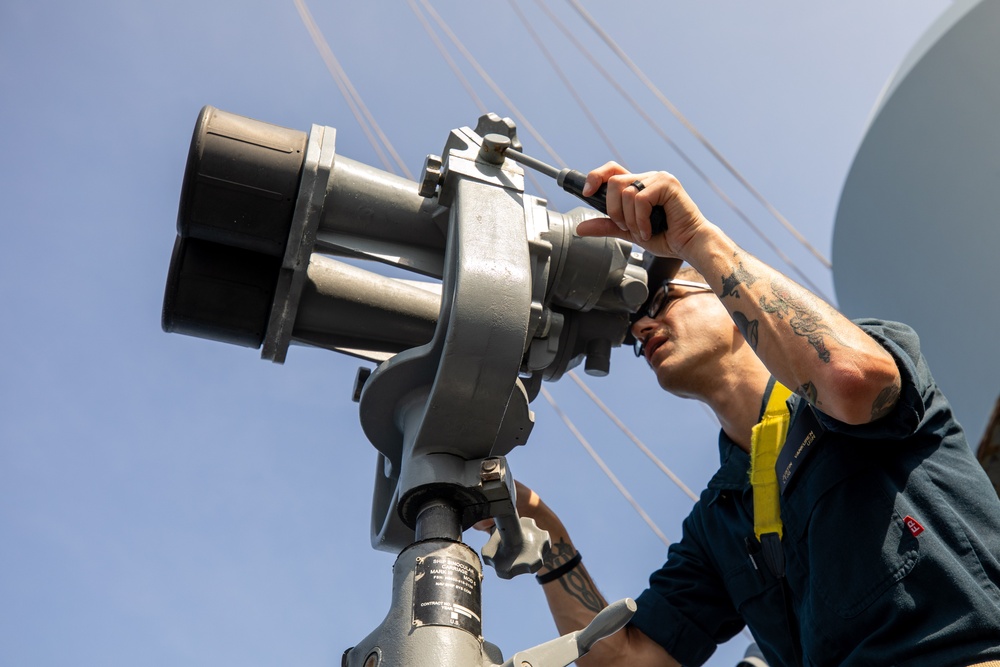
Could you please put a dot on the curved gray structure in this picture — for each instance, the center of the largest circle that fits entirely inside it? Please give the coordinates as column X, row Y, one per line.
column 916, row 235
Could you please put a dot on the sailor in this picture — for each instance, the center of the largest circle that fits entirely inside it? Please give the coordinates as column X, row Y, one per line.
column 848, row 523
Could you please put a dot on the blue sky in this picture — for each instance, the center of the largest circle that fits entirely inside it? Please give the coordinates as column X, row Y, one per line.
column 166, row 500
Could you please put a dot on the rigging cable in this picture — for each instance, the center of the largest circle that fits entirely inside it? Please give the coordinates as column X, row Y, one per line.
column 632, row 436
column 614, row 479
column 607, row 471
column 604, row 467
column 566, row 82
column 320, row 42
column 552, row 152
column 677, row 149
column 342, row 81
column 335, row 69
column 353, row 98
column 462, row 78
column 359, row 108
column 350, row 93
column 523, row 122
column 694, row 131
column 448, row 59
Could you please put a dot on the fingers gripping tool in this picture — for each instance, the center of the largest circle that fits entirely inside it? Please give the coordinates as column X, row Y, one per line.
column 570, row 180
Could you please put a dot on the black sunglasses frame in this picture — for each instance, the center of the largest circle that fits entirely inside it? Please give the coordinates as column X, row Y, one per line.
column 659, row 302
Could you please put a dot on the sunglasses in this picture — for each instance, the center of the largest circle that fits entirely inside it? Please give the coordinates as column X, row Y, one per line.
column 662, row 299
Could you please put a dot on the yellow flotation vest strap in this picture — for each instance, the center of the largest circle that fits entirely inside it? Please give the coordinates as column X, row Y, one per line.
column 766, row 440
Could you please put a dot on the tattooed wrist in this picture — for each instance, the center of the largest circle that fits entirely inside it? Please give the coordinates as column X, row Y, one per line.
column 739, row 276
column 577, row 583
column 557, row 554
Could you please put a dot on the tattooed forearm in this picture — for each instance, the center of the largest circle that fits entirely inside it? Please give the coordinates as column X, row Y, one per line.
column 557, row 554
column 740, row 276
column 579, row 584
column 808, row 392
column 747, row 327
column 576, row 582
column 885, row 401
column 803, row 319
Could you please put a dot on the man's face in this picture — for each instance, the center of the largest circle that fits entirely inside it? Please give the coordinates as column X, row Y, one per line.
column 685, row 332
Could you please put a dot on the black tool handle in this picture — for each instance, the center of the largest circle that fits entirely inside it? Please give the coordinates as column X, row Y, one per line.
column 572, row 181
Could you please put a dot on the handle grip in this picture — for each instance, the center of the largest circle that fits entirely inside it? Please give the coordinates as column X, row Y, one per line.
column 610, row 620
column 561, row 651
column 572, row 181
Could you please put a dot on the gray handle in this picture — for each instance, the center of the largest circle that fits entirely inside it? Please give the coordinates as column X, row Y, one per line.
column 610, row 620
column 564, row 650
column 515, row 547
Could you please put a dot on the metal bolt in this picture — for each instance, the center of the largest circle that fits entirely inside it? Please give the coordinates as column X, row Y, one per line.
column 490, row 470
column 493, row 148
column 432, row 176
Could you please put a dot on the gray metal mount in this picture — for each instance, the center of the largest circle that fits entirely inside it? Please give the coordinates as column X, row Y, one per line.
column 514, row 297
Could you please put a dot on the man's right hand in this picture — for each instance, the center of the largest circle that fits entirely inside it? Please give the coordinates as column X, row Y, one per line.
column 629, row 210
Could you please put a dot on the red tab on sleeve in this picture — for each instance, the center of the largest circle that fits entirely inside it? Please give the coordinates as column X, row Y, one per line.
column 913, row 525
